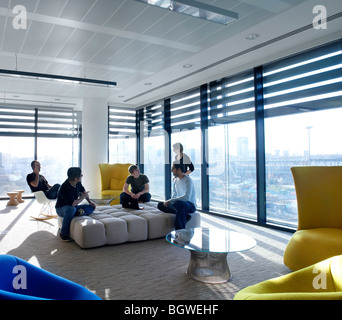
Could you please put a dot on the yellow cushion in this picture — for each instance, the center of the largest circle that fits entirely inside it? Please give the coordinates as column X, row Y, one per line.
column 108, row 171
column 319, row 199
column 116, row 184
column 319, row 281
column 307, row 247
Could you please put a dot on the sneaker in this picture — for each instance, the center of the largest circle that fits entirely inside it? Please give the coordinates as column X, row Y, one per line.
column 80, row 212
column 65, row 238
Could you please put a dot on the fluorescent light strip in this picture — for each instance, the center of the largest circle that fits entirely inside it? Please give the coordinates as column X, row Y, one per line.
column 58, row 78
column 196, row 9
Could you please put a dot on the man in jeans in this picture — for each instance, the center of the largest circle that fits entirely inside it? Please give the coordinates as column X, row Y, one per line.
column 70, row 195
column 183, row 201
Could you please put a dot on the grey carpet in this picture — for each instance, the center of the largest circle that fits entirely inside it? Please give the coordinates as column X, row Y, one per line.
column 148, row 270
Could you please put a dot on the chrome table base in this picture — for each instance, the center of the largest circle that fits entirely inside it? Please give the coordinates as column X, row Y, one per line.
column 208, row 267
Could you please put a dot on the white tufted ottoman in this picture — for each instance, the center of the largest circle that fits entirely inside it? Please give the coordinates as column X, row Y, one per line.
column 114, row 224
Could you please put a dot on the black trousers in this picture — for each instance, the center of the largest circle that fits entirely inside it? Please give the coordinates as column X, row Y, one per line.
column 128, row 202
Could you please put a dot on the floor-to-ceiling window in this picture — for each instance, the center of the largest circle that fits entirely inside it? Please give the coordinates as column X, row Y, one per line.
column 155, row 138
column 255, row 126
column 122, row 135
column 185, row 129
column 231, row 146
column 303, row 112
column 49, row 135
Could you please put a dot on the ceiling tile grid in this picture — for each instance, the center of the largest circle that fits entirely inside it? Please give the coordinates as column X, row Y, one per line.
column 119, row 40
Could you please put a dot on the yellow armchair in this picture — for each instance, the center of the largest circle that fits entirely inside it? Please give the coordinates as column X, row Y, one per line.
column 113, row 178
column 319, row 232
column 321, row 281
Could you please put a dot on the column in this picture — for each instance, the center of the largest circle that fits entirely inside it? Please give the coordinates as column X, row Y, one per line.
column 94, row 141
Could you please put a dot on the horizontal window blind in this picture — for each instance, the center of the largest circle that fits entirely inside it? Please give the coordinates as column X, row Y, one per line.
column 154, row 119
column 185, row 111
column 232, row 99
column 40, row 121
column 58, row 122
column 122, row 123
column 306, row 82
column 16, row 120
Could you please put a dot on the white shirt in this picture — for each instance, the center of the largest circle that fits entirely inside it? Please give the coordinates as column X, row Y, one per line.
column 183, row 190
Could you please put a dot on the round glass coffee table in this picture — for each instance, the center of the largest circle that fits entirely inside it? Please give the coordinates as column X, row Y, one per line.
column 209, row 248
column 103, row 199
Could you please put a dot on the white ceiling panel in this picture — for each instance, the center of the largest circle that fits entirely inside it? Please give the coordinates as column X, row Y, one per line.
column 145, row 19
column 73, row 44
column 134, row 43
column 38, row 33
column 76, row 9
column 169, row 20
column 92, row 47
column 274, row 6
column 109, row 50
column 102, row 11
column 13, row 39
column 30, row 5
column 125, row 14
column 55, row 41
column 51, row 7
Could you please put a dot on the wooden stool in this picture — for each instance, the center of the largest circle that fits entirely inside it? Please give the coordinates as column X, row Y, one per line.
column 12, row 201
column 19, row 196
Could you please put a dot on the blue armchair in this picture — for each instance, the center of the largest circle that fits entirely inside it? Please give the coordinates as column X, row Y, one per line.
column 20, row 280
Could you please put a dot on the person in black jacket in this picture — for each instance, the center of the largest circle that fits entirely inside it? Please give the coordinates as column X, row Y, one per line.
column 70, row 195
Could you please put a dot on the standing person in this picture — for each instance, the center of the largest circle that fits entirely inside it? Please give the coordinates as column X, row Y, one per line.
column 140, row 189
column 183, row 200
column 70, row 195
column 183, row 158
column 37, row 182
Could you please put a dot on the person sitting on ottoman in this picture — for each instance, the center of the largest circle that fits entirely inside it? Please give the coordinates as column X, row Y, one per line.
column 139, row 189
column 183, row 201
column 70, row 195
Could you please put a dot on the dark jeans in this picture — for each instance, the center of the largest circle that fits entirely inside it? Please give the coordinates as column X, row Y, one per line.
column 181, row 209
column 52, row 192
column 128, row 202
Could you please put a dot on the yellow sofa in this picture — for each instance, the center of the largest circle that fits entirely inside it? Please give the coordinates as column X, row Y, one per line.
column 321, row 281
column 319, row 232
column 113, row 178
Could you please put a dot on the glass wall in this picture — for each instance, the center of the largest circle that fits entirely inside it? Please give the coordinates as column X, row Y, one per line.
column 50, row 149
column 185, row 129
column 122, row 143
column 16, row 154
column 231, row 147
column 256, row 126
column 51, row 136
column 303, row 101
column 154, row 140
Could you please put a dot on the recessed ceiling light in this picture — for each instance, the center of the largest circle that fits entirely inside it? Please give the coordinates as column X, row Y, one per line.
column 148, row 83
column 252, row 36
column 187, row 66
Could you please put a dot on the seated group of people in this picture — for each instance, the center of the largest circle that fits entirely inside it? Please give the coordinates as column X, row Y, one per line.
column 71, row 193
